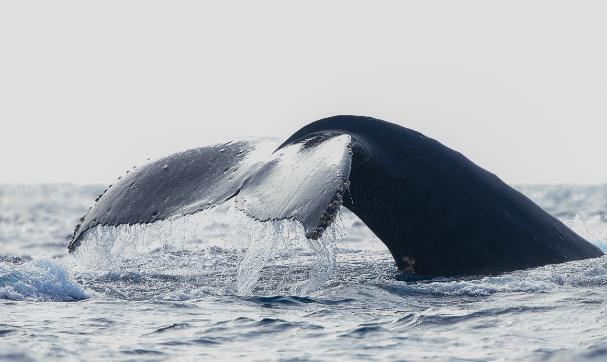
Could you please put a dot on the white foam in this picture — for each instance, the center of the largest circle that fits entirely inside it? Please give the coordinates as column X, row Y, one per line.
column 40, row 280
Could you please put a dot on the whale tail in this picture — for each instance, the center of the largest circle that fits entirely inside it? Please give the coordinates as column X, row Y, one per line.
column 437, row 212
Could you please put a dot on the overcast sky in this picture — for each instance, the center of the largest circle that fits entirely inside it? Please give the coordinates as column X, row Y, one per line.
column 88, row 89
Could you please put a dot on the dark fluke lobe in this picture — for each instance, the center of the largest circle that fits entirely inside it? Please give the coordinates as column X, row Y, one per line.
column 437, row 212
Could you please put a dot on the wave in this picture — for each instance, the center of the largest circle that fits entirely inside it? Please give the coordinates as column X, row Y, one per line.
column 39, row 280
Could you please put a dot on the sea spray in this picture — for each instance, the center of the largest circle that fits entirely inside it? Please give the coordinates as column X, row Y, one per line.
column 243, row 252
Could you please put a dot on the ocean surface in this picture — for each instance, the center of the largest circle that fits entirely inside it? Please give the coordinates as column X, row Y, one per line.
column 217, row 285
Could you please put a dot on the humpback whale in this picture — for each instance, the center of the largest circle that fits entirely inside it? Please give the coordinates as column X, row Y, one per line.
column 437, row 212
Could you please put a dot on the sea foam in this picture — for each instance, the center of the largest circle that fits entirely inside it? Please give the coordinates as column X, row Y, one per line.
column 39, row 280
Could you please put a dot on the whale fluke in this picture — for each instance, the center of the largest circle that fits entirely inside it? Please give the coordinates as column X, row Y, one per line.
column 436, row 211
column 300, row 182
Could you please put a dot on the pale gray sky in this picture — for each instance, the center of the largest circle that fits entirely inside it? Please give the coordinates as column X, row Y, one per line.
column 88, row 89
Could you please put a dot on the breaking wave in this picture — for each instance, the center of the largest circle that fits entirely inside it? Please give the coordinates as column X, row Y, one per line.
column 40, row 280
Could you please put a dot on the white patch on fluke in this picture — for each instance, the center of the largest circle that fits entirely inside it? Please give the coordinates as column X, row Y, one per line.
column 299, row 182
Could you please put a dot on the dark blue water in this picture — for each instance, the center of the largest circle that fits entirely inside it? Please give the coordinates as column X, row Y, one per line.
column 217, row 285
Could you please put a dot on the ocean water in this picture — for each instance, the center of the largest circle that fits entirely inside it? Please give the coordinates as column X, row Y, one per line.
column 217, row 285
